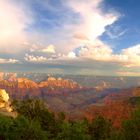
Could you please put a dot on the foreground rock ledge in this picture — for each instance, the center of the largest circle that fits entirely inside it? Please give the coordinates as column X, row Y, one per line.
column 5, row 105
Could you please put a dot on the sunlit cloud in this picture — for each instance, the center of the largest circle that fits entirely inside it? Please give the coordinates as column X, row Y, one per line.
column 129, row 57
column 39, row 48
column 6, row 61
column 35, row 59
column 93, row 20
column 13, row 22
column 43, row 36
column 48, row 49
column 128, row 73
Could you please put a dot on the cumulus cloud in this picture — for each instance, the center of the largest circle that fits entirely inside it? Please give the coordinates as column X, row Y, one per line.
column 132, row 55
column 73, row 37
column 97, row 51
column 39, row 48
column 86, row 21
column 93, row 20
column 48, row 49
column 91, row 23
column 71, row 55
column 134, row 50
column 129, row 57
column 36, row 59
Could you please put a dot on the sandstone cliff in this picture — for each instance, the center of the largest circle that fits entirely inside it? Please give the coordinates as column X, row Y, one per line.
column 4, row 101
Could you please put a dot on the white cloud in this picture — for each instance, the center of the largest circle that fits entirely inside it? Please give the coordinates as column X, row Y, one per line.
column 116, row 34
column 71, row 55
column 134, row 50
column 132, row 55
column 93, row 20
column 129, row 57
column 36, row 59
column 90, row 23
column 40, row 48
column 97, row 51
column 13, row 22
column 15, row 19
column 65, row 40
column 48, row 49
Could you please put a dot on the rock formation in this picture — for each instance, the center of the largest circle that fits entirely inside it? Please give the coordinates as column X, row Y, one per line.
column 4, row 101
column 23, row 88
column 20, row 87
column 52, row 82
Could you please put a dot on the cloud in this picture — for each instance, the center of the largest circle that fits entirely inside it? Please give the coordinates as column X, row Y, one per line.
column 134, row 50
column 6, row 61
column 71, row 55
column 18, row 24
column 132, row 55
column 93, row 20
column 117, row 34
column 97, row 50
column 128, row 73
column 13, row 22
column 81, row 22
column 80, row 36
column 48, row 49
column 69, row 39
column 39, row 48
column 35, row 59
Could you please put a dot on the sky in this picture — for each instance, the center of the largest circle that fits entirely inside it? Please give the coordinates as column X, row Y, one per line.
column 86, row 37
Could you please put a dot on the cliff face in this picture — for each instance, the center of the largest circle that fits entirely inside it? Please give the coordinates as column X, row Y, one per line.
column 23, row 87
column 59, row 83
column 20, row 87
column 4, row 101
column 58, row 86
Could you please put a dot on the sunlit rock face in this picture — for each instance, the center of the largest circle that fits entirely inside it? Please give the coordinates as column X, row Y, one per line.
column 4, row 101
column 59, row 83
column 136, row 92
column 102, row 85
column 20, row 87
column 3, row 95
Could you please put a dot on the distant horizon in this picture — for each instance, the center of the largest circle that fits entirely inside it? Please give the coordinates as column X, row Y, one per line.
column 55, row 74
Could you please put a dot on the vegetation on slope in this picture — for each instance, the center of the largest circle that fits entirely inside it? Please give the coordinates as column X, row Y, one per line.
column 36, row 122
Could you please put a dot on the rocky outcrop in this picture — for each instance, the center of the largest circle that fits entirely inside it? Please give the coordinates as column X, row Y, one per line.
column 53, row 86
column 4, row 101
column 54, row 83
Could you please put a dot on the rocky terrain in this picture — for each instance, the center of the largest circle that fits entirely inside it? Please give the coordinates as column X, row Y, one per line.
column 5, row 104
column 99, row 82
column 20, row 87
column 23, row 88
column 69, row 96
